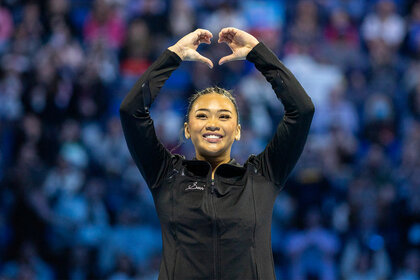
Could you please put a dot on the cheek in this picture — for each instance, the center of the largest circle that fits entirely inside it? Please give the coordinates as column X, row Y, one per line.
column 195, row 129
column 230, row 131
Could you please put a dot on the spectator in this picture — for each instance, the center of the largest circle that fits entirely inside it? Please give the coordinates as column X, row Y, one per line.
column 338, row 112
column 359, row 262
column 342, row 41
column 305, row 31
column 384, row 24
column 136, row 53
column 226, row 15
column 181, row 9
column 6, row 28
column 312, row 250
column 104, row 25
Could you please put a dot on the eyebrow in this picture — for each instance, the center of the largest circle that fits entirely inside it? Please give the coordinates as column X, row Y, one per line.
column 221, row 110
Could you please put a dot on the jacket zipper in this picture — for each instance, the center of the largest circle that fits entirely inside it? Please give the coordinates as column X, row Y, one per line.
column 214, row 232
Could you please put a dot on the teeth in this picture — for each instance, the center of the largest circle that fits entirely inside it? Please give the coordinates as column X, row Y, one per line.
column 213, row 136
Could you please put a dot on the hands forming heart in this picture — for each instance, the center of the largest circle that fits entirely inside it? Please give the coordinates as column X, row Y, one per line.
column 240, row 42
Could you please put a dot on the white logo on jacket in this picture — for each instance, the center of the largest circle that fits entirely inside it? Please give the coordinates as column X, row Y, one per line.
column 194, row 187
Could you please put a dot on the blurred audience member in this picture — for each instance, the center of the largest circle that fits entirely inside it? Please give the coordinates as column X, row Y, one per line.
column 312, row 250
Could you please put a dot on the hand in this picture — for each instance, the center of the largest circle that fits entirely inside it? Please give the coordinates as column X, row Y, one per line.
column 186, row 47
column 240, row 42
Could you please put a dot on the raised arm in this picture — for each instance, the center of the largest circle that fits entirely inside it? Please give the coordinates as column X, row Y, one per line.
column 150, row 156
column 282, row 152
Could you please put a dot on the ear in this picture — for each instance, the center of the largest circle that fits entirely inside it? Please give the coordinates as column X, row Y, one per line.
column 238, row 133
column 186, row 131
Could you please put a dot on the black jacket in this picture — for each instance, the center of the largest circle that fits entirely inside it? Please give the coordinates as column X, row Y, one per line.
column 221, row 228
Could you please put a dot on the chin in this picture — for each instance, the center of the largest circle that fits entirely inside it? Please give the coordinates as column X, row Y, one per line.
column 211, row 152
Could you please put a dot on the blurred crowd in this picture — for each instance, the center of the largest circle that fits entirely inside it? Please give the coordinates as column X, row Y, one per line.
column 74, row 206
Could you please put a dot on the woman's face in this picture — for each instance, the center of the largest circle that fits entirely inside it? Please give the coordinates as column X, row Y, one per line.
column 213, row 126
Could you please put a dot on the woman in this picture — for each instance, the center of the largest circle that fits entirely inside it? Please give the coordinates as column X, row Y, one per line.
column 215, row 214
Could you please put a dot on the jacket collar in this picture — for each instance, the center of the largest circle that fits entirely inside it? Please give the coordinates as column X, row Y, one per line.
column 203, row 168
column 232, row 162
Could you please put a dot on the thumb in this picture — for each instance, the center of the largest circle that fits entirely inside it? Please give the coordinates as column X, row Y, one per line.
column 227, row 58
column 204, row 59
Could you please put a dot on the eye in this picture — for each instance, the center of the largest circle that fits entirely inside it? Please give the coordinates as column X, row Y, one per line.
column 201, row 116
column 225, row 117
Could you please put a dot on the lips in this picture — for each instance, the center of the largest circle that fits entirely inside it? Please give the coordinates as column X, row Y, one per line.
column 212, row 137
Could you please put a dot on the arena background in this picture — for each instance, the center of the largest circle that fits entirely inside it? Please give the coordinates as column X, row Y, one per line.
column 73, row 205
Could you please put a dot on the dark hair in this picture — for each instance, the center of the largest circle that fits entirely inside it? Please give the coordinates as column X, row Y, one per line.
column 214, row 89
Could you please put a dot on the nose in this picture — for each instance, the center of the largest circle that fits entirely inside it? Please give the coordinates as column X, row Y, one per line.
column 212, row 128
column 211, row 124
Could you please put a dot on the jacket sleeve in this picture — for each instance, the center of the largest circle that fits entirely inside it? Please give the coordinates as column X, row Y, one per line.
column 150, row 156
column 282, row 152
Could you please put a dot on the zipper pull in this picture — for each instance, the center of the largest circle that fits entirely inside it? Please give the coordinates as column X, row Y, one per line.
column 212, row 186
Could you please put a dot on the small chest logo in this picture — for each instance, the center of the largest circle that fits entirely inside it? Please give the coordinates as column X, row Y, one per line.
column 194, row 186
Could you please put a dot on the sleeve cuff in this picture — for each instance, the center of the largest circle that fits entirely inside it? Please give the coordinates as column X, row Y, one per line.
column 253, row 53
column 173, row 55
column 261, row 55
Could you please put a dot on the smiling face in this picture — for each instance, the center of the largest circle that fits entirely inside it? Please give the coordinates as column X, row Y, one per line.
column 212, row 126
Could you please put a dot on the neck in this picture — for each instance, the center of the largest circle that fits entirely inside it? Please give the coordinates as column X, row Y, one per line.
column 216, row 161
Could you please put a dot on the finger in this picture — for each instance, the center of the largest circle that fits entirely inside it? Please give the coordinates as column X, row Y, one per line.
column 224, row 39
column 202, row 40
column 205, row 39
column 222, row 34
column 227, row 58
column 226, row 36
column 230, row 31
column 203, row 33
column 226, row 30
